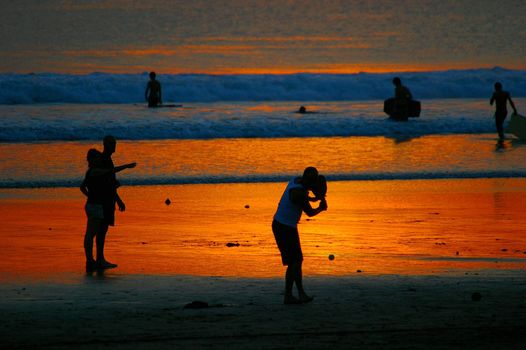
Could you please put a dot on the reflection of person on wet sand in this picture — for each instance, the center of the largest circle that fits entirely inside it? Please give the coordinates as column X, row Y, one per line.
column 501, row 98
column 294, row 201
column 100, row 186
column 153, row 92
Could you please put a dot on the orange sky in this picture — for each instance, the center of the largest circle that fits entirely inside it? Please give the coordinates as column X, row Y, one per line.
column 256, row 37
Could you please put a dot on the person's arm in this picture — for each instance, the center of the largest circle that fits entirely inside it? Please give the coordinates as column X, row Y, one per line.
column 409, row 95
column 147, row 91
column 512, row 104
column 84, row 188
column 106, row 171
column 124, row 166
column 120, row 203
column 300, row 197
column 492, row 99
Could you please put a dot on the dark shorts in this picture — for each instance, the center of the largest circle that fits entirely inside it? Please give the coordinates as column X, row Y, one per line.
column 153, row 100
column 288, row 241
column 501, row 115
column 109, row 213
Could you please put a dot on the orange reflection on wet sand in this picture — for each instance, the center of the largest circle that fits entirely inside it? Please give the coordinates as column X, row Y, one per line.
column 405, row 227
column 253, row 158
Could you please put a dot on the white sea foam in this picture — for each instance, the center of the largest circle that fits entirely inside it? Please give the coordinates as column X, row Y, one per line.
column 129, row 88
column 23, row 123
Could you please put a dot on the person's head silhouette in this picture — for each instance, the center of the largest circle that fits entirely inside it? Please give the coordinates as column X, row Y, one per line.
column 110, row 144
column 397, row 81
column 302, row 109
column 310, row 177
column 152, row 75
column 498, row 86
column 94, row 158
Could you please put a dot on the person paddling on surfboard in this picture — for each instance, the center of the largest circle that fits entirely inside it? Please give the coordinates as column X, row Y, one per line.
column 153, row 92
column 402, row 98
column 501, row 98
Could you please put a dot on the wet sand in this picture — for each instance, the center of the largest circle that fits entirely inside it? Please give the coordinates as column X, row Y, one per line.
column 378, row 227
column 409, row 256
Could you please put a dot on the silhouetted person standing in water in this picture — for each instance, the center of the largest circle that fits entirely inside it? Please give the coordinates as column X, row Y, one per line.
column 501, row 98
column 98, row 183
column 294, row 201
column 402, row 98
column 153, row 92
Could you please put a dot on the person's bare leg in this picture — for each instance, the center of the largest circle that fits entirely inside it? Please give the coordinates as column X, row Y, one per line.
column 298, row 278
column 92, row 228
column 101, row 239
column 289, row 282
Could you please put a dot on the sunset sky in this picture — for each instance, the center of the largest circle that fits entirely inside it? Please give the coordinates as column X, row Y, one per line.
column 249, row 36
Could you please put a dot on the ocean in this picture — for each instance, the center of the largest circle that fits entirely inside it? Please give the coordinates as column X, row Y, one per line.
column 243, row 128
column 434, row 194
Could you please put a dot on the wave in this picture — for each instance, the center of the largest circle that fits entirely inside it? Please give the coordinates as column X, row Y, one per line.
column 68, row 122
column 152, row 181
column 256, row 128
column 129, row 88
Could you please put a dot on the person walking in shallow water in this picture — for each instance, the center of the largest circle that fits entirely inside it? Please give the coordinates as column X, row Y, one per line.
column 294, row 201
column 153, row 92
column 501, row 99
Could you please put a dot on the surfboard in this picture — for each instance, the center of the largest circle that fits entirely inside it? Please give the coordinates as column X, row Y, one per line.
column 169, row 106
column 414, row 107
column 517, row 126
column 160, row 106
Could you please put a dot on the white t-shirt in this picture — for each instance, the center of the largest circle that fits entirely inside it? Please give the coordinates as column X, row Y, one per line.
column 288, row 212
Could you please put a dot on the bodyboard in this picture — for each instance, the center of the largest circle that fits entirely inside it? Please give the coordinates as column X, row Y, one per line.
column 414, row 107
column 169, row 106
column 517, row 126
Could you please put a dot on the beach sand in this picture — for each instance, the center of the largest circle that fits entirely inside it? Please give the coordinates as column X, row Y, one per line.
column 373, row 312
column 408, row 257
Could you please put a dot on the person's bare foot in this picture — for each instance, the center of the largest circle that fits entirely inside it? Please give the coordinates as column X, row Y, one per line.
column 91, row 266
column 106, row 265
column 304, row 298
column 290, row 300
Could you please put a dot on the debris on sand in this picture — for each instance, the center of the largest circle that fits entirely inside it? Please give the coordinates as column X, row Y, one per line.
column 196, row 304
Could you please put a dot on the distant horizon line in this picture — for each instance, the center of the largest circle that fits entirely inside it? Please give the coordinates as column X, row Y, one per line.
column 269, row 72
